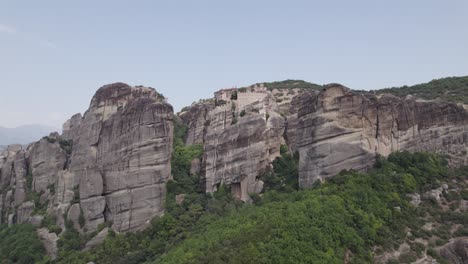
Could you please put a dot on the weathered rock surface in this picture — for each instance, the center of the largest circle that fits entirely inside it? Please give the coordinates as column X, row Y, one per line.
column 49, row 240
column 47, row 159
column 98, row 239
column 196, row 121
column 73, row 215
column 24, row 212
column 456, row 251
column 111, row 164
column 340, row 129
column 121, row 156
column 241, row 138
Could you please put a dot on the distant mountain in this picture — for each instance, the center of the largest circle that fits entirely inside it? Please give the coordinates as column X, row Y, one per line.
column 23, row 134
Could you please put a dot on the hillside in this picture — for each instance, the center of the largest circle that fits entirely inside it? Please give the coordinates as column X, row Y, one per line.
column 290, row 84
column 358, row 217
column 453, row 89
column 288, row 176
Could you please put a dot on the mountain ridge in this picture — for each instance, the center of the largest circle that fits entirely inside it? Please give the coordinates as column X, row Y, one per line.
column 129, row 161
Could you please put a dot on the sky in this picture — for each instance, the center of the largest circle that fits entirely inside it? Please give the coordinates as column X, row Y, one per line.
column 54, row 55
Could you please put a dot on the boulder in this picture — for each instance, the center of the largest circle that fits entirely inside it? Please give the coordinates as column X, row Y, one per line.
column 456, row 251
column 49, row 240
column 98, row 239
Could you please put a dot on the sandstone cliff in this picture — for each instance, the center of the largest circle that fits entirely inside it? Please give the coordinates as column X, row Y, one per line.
column 110, row 165
column 241, row 138
column 332, row 129
column 341, row 129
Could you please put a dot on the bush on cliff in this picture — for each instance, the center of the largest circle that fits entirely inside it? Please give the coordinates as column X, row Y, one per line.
column 20, row 244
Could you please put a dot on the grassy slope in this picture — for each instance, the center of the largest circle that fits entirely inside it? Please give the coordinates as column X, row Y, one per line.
column 451, row 88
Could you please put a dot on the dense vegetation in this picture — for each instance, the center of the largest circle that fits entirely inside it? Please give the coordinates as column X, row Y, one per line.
column 20, row 244
column 354, row 216
column 291, row 84
column 345, row 217
column 452, row 89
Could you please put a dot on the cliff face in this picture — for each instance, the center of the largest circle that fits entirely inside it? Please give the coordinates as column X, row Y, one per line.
column 111, row 165
column 332, row 129
column 340, row 129
column 241, row 138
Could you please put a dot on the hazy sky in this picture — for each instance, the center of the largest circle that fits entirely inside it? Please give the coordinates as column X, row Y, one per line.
column 55, row 54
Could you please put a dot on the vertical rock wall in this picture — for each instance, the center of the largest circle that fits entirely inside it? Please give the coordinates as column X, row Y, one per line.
column 240, row 138
column 340, row 129
column 110, row 165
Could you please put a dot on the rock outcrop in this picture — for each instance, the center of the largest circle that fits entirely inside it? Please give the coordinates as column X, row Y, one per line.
column 49, row 240
column 241, row 138
column 332, row 129
column 121, row 156
column 110, row 165
column 341, row 129
column 456, row 251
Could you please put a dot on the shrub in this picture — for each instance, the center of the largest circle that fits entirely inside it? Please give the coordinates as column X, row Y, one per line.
column 234, row 96
column 464, row 194
column 20, row 244
column 409, row 257
column 81, row 219
column 55, row 229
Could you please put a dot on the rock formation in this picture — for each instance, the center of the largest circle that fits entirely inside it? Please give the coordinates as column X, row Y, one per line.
column 49, row 240
column 121, row 156
column 332, row 129
column 456, row 251
column 340, row 129
column 241, row 138
column 110, row 165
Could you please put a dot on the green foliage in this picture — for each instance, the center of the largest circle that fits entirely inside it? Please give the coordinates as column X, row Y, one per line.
column 285, row 174
column 409, row 257
column 234, row 96
column 66, row 145
column 39, row 208
column 29, row 181
column 292, row 84
column 49, row 139
column 351, row 212
column 234, row 119
column 220, row 102
column 242, row 113
column 182, row 157
column 55, row 229
column 451, row 89
column 70, row 242
column 20, row 244
column 76, row 195
column 81, row 219
column 51, row 188
column 426, row 168
column 48, row 221
column 464, row 194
